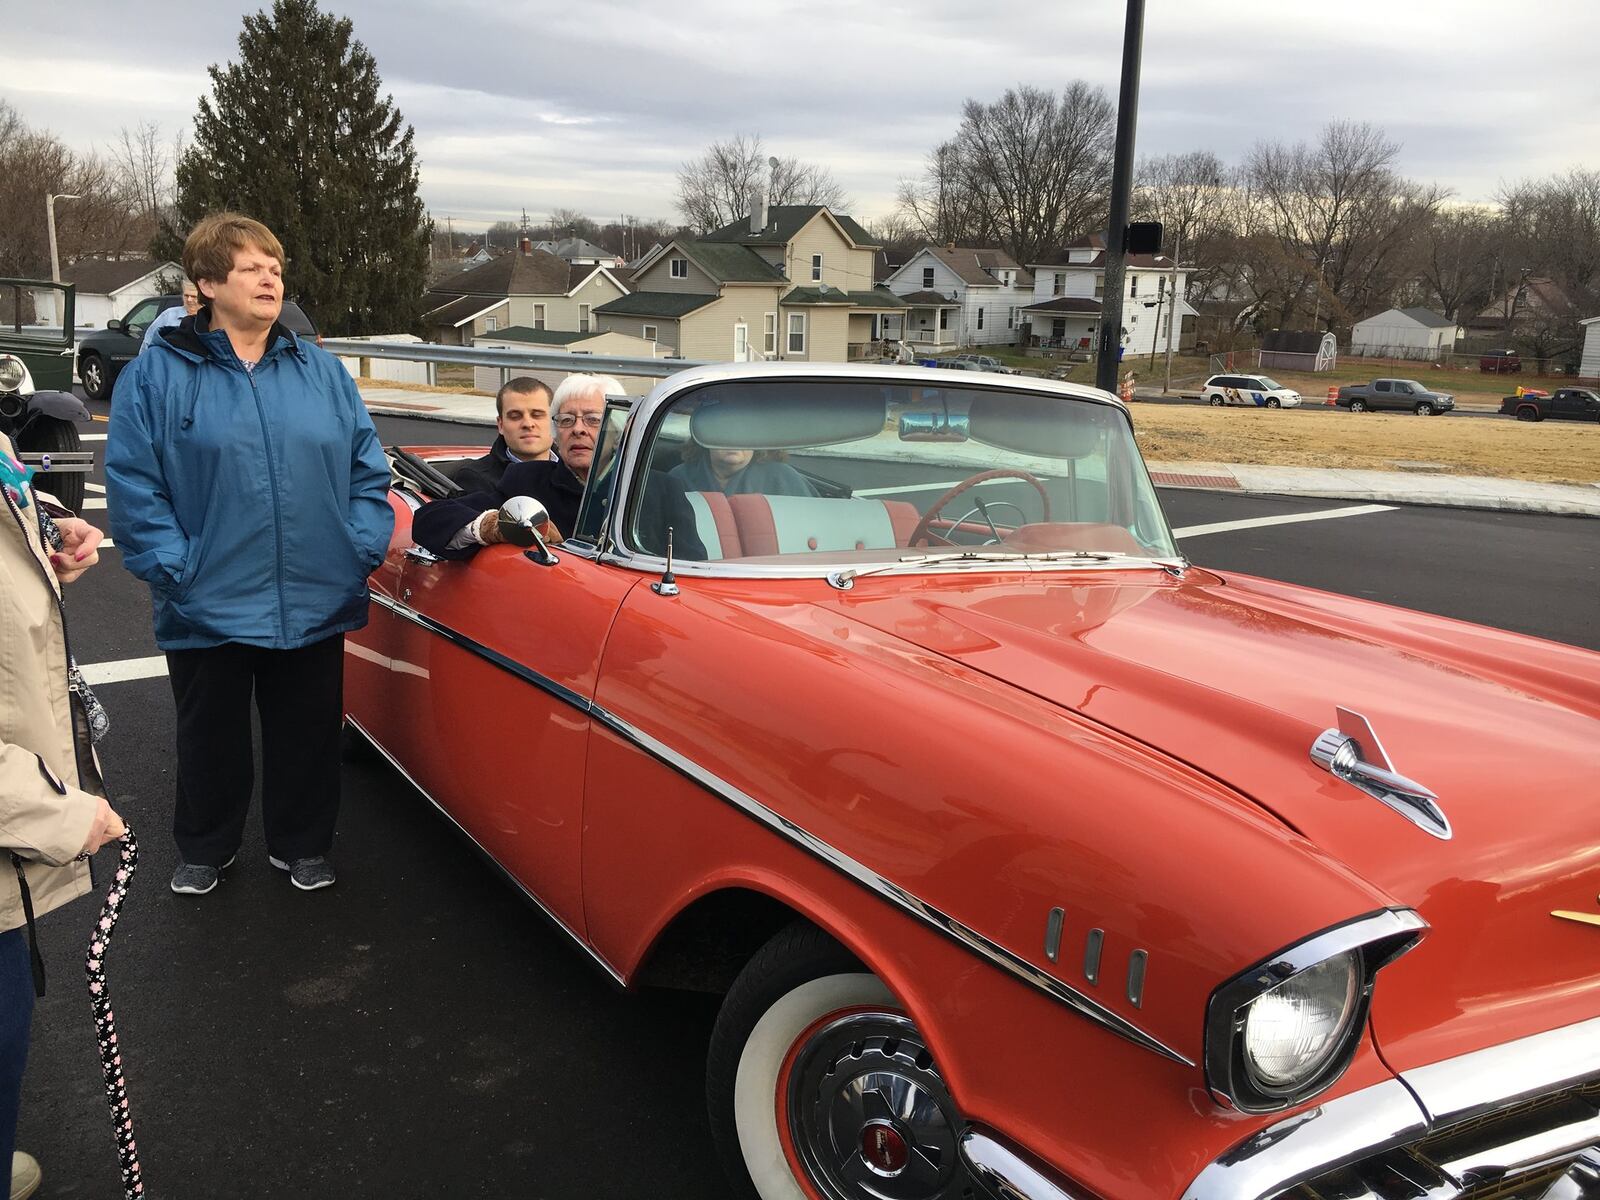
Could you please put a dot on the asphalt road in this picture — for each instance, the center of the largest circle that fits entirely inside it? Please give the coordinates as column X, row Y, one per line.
column 418, row 1031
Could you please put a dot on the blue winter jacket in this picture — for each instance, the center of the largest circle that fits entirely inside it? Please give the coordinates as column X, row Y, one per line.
column 254, row 504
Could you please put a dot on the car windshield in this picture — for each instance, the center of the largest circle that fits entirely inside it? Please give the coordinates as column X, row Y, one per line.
column 1270, row 384
column 815, row 473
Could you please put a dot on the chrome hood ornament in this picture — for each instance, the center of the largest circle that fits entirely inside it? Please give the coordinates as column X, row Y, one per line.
column 1353, row 753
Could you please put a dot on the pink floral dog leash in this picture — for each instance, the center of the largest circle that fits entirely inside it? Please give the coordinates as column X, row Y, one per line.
column 105, row 1023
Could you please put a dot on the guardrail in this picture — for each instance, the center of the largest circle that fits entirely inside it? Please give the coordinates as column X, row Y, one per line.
column 473, row 356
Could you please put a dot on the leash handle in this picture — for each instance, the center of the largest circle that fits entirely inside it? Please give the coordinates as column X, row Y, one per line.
column 104, row 1020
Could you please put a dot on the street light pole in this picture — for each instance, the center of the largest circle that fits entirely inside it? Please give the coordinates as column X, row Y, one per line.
column 1177, row 249
column 1110, row 340
column 50, row 223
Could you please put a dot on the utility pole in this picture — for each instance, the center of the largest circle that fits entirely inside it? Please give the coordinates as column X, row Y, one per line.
column 50, row 224
column 1110, row 339
column 1177, row 248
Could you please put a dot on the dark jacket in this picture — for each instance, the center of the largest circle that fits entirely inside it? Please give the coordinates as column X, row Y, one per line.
column 553, row 485
column 483, row 474
column 254, row 503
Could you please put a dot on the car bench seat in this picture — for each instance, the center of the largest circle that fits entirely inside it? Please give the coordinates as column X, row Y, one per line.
column 754, row 525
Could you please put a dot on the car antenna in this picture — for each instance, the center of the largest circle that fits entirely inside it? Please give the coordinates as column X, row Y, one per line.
column 667, row 585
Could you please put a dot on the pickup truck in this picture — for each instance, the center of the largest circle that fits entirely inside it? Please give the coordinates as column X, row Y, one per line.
column 1565, row 404
column 1396, row 395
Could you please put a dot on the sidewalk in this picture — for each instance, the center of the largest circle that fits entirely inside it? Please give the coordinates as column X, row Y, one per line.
column 1389, row 487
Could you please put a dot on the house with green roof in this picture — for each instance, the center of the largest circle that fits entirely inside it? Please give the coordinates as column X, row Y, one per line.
column 791, row 282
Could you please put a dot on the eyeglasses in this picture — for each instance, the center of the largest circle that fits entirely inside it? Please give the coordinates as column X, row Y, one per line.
column 591, row 421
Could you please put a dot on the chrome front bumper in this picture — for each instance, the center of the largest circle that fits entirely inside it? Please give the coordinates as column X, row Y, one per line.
column 1002, row 1175
column 1513, row 1120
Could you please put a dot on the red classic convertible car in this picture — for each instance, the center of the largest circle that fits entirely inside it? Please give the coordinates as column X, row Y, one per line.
column 1044, row 863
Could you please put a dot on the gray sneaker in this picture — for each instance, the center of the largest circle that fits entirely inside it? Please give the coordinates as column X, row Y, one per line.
column 307, row 874
column 194, row 879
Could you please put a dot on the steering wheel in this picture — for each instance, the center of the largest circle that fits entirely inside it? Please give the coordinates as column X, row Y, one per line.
column 923, row 531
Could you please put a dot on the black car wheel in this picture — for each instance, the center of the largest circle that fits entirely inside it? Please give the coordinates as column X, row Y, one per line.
column 819, row 1084
column 1358, row 406
column 96, row 377
column 1216, row 402
column 1424, row 409
column 52, row 436
column 1273, row 402
column 1529, row 412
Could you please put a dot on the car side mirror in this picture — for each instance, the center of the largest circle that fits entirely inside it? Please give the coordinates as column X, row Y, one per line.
column 115, row 325
column 520, row 520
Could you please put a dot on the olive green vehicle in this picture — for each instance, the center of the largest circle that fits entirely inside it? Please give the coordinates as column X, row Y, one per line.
column 38, row 411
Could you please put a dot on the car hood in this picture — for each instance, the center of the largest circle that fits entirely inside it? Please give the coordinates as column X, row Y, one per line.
column 1236, row 677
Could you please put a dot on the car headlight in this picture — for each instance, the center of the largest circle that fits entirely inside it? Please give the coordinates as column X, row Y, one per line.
column 1291, row 1031
column 1285, row 1029
column 12, row 373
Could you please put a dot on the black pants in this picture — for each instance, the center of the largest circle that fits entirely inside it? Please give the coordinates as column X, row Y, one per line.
column 300, row 696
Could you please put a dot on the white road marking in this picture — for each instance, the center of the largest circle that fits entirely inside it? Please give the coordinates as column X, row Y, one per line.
column 87, row 504
column 124, row 670
column 91, row 437
column 95, row 487
column 1326, row 514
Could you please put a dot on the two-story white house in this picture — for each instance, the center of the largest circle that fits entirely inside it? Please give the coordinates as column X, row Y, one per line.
column 790, row 282
column 1068, row 288
column 959, row 296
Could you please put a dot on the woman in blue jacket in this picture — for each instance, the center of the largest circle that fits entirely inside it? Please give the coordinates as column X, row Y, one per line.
column 247, row 487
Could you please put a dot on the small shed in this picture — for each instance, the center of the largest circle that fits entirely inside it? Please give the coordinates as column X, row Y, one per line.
column 107, row 288
column 1589, row 363
column 1298, row 350
column 1413, row 333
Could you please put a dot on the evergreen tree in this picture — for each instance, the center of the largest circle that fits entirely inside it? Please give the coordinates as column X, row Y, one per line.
column 298, row 135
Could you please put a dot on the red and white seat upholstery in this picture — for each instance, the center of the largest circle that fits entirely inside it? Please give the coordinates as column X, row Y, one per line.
column 807, row 524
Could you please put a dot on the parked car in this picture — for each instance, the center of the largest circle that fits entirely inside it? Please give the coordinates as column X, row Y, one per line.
column 1262, row 391
column 957, row 364
column 103, row 353
column 1501, row 362
column 1037, row 861
column 41, row 421
column 1565, row 404
column 985, row 362
column 1397, row 395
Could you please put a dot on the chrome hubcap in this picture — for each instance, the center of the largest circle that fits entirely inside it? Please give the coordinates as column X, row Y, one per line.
column 869, row 1115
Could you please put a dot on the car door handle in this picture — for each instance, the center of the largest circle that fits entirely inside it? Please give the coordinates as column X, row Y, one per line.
column 419, row 554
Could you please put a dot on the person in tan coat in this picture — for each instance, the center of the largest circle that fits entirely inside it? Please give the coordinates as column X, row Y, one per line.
column 53, row 814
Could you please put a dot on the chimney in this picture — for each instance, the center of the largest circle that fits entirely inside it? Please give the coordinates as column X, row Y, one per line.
column 950, row 246
column 527, row 246
column 758, row 210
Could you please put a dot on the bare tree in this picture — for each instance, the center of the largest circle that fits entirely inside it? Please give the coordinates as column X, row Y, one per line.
column 1331, row 229
column 1457, row 262
column 1042, row 162
column 947, row 204
column 714, row 189
column 1197, row 199
column 1553, row 227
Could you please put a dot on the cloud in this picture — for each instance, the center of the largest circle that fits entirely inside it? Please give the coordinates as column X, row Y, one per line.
column 544, row 104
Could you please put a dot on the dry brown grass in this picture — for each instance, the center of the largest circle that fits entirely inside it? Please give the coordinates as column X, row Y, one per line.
column 419, row 387
column 1546, row 452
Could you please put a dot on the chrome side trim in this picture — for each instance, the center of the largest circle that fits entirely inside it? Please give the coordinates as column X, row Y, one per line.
column 1458, row 1089
column 1008, row 961
column 1389, row 1114
column 1002, row 1175
column 1091, row 955
column 537, row 903
column 1052, row 933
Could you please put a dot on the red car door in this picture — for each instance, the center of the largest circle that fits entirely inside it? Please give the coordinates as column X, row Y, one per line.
column 503, row 655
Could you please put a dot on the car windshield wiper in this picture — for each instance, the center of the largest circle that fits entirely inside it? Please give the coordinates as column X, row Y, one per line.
column 846, row 578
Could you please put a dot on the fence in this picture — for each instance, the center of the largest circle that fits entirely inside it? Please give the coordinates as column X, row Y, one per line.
column 500, row 364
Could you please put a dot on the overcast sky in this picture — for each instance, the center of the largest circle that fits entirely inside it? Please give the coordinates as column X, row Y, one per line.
column 526, row 103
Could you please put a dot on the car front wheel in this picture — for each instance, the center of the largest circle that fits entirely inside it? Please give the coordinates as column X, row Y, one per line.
column 821, row 1088
column 95, row 376
column 1424, row 409
column 1358, row 406
column 1274, row 402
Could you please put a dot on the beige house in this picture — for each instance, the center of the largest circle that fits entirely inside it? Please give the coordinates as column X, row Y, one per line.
column 530, row 288
column 794, row 282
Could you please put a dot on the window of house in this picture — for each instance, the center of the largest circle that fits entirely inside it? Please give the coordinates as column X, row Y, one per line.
column 583, row 318
column 490, row 324
column 680, row 268
column 538, row 316
column 816, row 267
column 1100, row 287
column 980, row 318
column 927, row 278
column 944, row 318
column 797, row 333
column 1061, row 283
column 648, row 332
column 1133, row 285
column 1011, row 317
column 769, row 334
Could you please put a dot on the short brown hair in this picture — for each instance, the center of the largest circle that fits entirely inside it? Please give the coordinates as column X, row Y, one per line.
column 209, row 249
column 522, row 385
